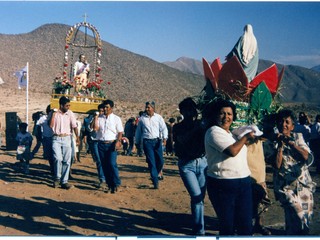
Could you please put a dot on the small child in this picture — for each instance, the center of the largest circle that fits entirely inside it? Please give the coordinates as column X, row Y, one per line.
column 24, row 140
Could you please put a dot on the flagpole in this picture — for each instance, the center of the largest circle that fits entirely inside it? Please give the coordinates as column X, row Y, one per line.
column 27, row 93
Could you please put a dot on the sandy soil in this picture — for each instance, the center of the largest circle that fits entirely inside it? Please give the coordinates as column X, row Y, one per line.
column 30, row 206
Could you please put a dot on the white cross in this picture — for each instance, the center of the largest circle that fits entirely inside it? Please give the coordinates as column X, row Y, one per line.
column 85, row 17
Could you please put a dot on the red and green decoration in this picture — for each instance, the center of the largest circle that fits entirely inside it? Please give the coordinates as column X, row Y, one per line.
column 255, row 99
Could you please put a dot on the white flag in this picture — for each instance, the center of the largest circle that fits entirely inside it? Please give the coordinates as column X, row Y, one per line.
column 1, row 81
column 22, row 77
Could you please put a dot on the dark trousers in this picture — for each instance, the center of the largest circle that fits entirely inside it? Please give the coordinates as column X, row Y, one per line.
column 154, row 156
column 38, row 145
column 108, row 157
column 47, row 152
column 232, row 201
column 131, row 143
column 315, row 148
column 139, row 148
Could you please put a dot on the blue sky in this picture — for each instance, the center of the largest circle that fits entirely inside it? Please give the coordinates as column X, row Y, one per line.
column 287, row 32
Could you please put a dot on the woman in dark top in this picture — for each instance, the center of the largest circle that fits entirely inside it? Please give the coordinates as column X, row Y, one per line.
column 188, row 136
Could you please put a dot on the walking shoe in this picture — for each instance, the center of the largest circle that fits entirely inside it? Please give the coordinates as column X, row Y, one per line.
column 66, row 186
column 102, row 184
column 114, row 189
column 56, row 183
column 155, row 186
column 160, row 178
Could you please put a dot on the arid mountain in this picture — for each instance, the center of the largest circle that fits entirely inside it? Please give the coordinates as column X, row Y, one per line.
column 299, row 84
column 316, row 68
column 133, row 78
column 187, row 65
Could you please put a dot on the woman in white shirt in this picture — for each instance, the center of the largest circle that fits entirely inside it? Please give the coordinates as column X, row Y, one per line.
column 228, row 174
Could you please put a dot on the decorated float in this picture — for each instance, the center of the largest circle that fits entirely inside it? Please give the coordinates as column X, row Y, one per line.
column 255, row 100
column 80, row 80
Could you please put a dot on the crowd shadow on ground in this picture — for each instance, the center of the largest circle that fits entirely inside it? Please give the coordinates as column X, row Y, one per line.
column 97, row 219
column 30, row 215
column 15, row 212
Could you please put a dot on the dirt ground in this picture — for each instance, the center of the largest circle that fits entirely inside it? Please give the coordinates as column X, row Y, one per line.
column 29, row 205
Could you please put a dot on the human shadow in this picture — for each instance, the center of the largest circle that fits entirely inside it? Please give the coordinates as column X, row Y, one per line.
column 172, row 222
column 29, row 216
column 12, row 172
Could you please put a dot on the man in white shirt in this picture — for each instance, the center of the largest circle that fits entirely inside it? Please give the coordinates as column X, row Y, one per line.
column 47, row 134
column 109, row 130
column 153, row 131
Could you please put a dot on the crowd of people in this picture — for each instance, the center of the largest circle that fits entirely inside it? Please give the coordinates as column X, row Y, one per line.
column 103, row 135
column 228, row 164
column 213, row 158
column 231, row 168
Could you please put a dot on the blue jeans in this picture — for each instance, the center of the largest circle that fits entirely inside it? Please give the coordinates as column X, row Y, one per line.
column 61, row 147
column 193, row 175
column 93, row 146
column 139, row 148
column 108, row 156
column 232, row 201
column 154, row 155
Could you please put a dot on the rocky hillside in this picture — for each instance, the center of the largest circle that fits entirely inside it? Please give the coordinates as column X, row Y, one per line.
column 133, row 78
column 299, row 84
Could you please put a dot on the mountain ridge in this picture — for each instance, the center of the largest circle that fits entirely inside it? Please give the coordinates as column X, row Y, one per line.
column 299, row 84
column 133, row 77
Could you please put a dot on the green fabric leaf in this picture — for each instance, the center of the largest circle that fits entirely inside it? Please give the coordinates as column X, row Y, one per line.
column 261, row 98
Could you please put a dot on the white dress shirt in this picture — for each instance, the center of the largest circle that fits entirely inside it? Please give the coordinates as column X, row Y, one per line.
column 109, row 127
column 151, row 127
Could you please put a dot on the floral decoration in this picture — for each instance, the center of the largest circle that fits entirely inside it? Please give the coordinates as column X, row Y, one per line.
column 101, row 94
column 61, row 85
column 94, row 86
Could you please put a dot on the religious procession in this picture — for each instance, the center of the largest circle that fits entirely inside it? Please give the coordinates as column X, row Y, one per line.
column 223, row 141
